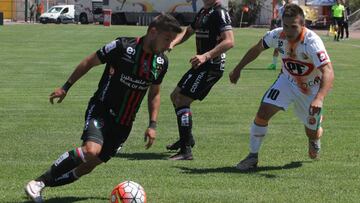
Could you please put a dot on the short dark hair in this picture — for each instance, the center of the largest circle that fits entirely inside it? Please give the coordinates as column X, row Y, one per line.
column 165, row 22
column 293, row 10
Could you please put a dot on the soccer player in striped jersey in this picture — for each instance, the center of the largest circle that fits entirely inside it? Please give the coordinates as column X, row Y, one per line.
column 306, row 78
column 133, row 65
column 214, row 36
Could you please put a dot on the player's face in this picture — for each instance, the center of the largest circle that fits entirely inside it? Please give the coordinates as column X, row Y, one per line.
column 292, row 27
column 162, row 41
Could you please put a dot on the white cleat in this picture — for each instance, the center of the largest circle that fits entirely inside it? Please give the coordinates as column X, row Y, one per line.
column 249, row 163
column 33, row 190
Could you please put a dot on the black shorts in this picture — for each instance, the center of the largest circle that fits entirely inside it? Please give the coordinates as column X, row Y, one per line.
column 197, row 83
column 339, row 21
column 101, row 127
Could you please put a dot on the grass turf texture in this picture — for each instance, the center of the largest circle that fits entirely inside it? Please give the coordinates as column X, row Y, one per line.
column 34, row 59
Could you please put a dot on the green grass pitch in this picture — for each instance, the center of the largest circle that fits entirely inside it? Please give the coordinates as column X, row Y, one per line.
column 34, row 59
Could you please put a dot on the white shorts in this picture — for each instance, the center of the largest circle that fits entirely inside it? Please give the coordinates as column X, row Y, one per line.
column 282, row 93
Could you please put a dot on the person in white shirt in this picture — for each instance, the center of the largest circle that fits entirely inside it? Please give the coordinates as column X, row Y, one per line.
column 306, row 78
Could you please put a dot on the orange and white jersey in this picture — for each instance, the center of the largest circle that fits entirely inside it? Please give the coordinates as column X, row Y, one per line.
column 301, row 59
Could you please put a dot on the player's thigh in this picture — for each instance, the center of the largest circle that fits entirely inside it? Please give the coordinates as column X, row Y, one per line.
column 179, row 99
column 197, row 83
column 277, row 97
column 301, row 107
column 112, row 141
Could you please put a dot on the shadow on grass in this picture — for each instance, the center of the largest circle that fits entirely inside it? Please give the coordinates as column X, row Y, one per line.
column 68, row 199
column 143, row 156
column 292, row 165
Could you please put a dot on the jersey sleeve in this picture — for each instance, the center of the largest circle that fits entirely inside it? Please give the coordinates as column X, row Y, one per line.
column 270, row 38
column 165, row 65
column 110, row 52
column 222, row 20
column 317, row 53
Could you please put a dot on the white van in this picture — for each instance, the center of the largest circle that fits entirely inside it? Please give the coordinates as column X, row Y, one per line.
column 59, row 14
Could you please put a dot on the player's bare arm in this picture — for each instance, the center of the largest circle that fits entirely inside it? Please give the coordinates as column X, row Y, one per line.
column 84, row 66
column 226, row 44
column 250, row 55
column 325, row 86
column 153, row 108
column 182, row 37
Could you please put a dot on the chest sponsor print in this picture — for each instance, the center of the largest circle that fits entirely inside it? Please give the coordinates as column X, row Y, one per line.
column 298, row 68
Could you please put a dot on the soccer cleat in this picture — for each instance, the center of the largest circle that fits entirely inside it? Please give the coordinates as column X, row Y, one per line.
column 249, row 163
column 33, row 190
column 176, row 145
column 272, row 67
column 314, row 148
column 183, row 154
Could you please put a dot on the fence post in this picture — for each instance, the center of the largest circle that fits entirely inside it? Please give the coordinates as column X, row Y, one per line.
column 26, row 10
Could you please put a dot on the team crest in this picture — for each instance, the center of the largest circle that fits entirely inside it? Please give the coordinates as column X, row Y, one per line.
column 311, row 120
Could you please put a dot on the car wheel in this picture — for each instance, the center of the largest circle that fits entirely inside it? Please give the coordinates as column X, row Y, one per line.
column 83, row 19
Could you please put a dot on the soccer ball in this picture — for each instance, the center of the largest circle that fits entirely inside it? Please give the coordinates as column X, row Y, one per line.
column 128, row 192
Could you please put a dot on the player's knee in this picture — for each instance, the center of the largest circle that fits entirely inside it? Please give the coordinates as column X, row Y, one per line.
column 173, row 97
column 258, row 131
column 179, row 100
column 90, row 152
column 261, row 121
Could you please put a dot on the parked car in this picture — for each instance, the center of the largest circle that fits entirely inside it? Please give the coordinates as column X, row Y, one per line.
column 58, row 14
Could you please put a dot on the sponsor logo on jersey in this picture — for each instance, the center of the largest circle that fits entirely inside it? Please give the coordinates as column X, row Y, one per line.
column 110, row 46
column 134, row 83
column 160, row 60
column 130, row 51
column 297, row 68
column 322, row 56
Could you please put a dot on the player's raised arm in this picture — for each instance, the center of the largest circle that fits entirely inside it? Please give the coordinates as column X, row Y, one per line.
column 153, row 107
column 250, row 55
column 182, row 37
column 84, row 66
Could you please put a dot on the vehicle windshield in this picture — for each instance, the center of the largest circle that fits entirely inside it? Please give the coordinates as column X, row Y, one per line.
column 55, row 10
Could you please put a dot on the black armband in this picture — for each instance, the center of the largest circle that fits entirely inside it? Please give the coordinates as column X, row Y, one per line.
column 66, row 86
column 152, row 125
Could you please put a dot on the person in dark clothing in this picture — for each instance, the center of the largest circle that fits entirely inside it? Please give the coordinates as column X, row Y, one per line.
column 214, row 37
column 133, row 65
